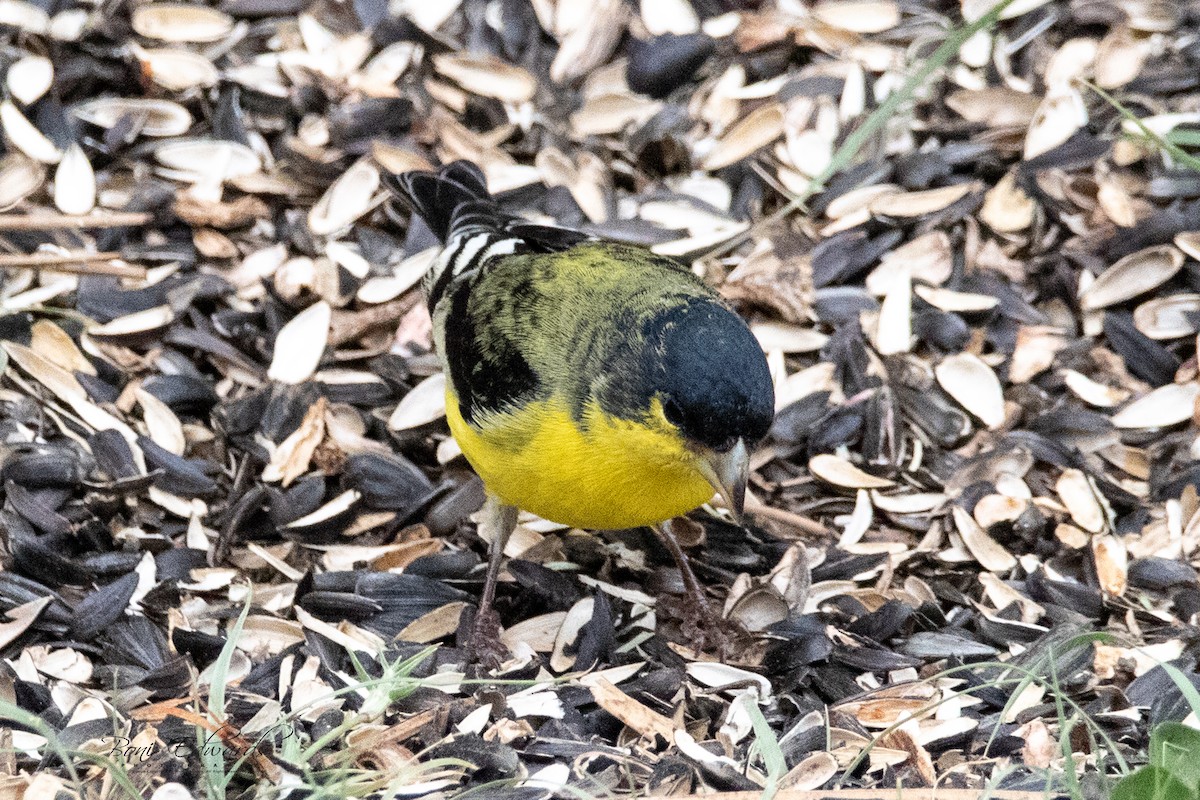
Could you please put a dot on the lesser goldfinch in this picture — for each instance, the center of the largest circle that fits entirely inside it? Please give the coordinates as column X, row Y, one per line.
column 595, row 384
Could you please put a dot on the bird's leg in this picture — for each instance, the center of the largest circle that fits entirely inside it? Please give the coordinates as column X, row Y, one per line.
column 712, row 622
column 500, row 519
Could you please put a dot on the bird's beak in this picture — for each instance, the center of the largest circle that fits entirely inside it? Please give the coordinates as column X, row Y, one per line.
column 728, row 473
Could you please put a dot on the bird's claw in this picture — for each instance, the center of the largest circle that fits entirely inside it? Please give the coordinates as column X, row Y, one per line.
column 483, row 644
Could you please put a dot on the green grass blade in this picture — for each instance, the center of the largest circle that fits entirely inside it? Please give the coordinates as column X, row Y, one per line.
column 1183, row 138
column 1185, row 686
column 14, row 713
column 767, row 746
column 1015, row 669
column 212, row 751
column 848, row 151
column 1180, row 155
column 1065, row 726
column 115, row 768
column 220, row 671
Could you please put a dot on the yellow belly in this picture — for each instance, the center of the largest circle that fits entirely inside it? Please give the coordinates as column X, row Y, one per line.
column 617, row 474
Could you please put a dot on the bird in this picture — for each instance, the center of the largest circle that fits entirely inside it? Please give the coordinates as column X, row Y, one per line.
column 594, row 384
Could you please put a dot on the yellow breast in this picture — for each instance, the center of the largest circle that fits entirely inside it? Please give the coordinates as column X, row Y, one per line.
column 608, row 474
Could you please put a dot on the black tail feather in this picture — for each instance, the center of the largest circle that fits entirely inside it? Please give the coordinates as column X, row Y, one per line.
column 441, row 197
column 455, row 198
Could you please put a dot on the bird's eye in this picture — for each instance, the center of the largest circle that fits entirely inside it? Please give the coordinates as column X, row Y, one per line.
column 673, row 412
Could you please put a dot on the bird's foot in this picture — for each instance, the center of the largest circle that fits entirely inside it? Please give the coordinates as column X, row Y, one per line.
column 702, row 628
column 483, row 645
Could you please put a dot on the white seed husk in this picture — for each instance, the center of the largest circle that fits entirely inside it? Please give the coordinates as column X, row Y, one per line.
column 990, row 554
column 1092, row 392
column 1133, row 275
column 210, row 158
column 300, row 345
column 893, row 329
column 926, row 259
column 22, row 134
column 426, row 403
column 788, row 338
column 177, row 69
column 909, row 503
column 950, row 300
column 611, row 112
column 859, row 16
column 74, row 182
column 347, row 199
column 20, row 176
column 1189, row 243
column 161, row 118
column 1078, row 496
column 487, row 76
column 139, row 322
column 1036, row 347
column 1171, row 317
column 1164, row 406
column 973, row 10
column 1006, row 206
column 974, row 386
column 181, row 22
column 338, row 505
column 29, row 78
column 24, row 16
column 1061, row 114
column 1072, row 61
column 838, row 471
column 909, row 205
column 669, row 16
column 56, row 345
column 161, row 423
column 763, row 126
column 1112, row 563
column 995, row 106
column 68, row 25
column 993, row 509
column 406, row 275
column 578, row 616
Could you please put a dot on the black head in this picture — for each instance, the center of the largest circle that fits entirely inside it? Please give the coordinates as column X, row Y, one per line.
column 714, row 383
